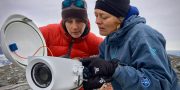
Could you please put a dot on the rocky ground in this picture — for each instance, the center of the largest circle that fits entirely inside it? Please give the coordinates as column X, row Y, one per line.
column 13, row 77
column 175, row 61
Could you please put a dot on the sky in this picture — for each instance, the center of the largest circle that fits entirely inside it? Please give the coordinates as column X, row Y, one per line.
column 163, row 15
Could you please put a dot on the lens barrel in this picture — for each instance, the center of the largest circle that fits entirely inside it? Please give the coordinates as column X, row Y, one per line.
column 41, row 75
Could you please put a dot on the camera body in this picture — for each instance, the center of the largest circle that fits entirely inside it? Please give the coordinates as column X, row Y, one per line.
column 54, row 73
column 23, row 44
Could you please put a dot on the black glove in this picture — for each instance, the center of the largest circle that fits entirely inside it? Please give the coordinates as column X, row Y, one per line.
column 94, row 83
column 100, row 67
column 97, row 72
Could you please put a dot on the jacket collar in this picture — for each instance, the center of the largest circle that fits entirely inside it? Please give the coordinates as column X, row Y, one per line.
column 118, row 36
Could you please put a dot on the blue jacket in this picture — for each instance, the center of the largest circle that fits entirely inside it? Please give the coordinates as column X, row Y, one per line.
column 143, row 61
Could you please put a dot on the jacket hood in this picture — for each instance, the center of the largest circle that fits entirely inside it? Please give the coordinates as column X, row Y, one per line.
column 128, row 25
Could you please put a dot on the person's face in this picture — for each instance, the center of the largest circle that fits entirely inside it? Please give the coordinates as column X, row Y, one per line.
column 106, row 22
column 75, row 27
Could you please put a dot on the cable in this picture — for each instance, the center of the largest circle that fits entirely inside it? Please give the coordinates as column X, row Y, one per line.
column 34, row 53
column 20, row 56
column 42, row 47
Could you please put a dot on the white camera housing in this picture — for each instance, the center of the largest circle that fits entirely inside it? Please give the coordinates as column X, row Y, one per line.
column 66, row 73
column 26, row 38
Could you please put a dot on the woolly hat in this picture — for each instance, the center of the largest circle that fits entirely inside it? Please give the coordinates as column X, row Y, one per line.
column 118, row 8
column 73, row 10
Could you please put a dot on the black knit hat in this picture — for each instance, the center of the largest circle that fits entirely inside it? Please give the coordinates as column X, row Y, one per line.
column 73, row 11
column 118, row 8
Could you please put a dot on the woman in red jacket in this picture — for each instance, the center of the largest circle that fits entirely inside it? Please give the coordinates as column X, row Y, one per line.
column 71, row 38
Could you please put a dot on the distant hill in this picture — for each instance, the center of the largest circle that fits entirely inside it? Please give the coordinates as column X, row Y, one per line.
column 174, row 52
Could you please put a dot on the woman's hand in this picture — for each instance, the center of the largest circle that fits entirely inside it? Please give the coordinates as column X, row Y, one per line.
column 106, row 86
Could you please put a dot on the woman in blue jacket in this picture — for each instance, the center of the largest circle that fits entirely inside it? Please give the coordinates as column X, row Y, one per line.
column 132, row 56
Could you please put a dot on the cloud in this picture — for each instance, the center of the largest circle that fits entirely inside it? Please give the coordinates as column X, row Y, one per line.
column 162, row 15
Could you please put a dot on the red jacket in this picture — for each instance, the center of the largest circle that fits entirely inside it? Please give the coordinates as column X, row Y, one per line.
column 58, row 41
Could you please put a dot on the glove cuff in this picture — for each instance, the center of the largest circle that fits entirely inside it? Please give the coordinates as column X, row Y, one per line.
column 114, row 65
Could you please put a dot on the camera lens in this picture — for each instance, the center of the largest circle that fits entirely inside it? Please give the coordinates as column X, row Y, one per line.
column 41, row 75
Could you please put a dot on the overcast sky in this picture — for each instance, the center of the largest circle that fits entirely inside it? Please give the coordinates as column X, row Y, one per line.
column 163, row 15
